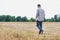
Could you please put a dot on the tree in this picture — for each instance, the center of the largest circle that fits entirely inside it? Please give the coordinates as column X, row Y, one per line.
column 55, row 18
column 8, row 18
column 2, row 18
column 18, row 18
column 32, row 20
column 13, row 18
column 52, row 20
column 59, row 19
column 24, row 19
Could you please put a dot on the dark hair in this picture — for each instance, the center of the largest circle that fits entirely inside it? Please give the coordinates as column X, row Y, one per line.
column 39, row 5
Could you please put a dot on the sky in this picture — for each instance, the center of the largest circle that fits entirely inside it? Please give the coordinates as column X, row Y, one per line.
column 28, row 7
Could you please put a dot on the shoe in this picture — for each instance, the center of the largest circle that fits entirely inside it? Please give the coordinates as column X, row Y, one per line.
column 41, row 32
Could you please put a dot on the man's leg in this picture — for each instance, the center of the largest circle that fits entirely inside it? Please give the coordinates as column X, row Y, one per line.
column 38, row 25
column 41, row 30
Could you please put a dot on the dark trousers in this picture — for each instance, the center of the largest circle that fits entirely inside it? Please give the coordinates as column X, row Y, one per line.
column 39, row 25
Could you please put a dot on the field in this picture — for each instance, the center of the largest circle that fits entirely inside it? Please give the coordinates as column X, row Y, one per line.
column 29, row 31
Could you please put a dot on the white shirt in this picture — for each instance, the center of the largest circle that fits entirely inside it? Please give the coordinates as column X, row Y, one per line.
column 41, row 14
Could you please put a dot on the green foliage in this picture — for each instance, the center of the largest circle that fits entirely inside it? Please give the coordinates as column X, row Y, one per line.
column 50, row 20
column 8, row 18
column 58, row 19
column 24, row 19
column 2, row 18
column 18, row 19
column 32, row 20
column 13, row 18
column 55, row 18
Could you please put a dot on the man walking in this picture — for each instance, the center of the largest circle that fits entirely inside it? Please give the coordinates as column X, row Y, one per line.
column 40, row 16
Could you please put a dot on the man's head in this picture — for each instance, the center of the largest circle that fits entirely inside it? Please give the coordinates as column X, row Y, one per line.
column 39, row 6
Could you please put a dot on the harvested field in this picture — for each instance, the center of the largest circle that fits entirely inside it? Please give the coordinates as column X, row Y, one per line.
column 29, row 31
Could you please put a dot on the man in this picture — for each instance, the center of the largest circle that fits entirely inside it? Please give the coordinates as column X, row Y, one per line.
column 40, row 16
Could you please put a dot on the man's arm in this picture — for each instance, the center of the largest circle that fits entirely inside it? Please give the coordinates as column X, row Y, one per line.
column 37, row 14
column 44, row 14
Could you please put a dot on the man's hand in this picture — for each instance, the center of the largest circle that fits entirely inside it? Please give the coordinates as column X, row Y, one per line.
column 35, row 19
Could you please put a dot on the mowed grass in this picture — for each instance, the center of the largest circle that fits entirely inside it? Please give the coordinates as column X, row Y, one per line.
column 29, row 31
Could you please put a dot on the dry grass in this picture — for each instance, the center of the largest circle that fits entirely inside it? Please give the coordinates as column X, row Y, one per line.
column 29, row 31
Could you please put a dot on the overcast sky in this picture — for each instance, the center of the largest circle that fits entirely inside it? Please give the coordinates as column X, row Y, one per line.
column 28, row 7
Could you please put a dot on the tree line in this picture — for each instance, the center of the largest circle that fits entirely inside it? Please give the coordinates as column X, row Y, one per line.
column 8, row 18
column 53, row 19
